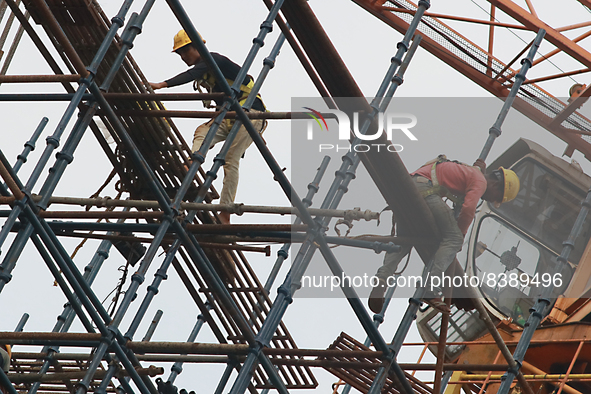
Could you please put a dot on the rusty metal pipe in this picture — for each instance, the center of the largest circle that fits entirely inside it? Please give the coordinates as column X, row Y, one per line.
column 163, row 96
column 59, row 35
column 10, row 182
column 225, row 228
column 441, row 350
column 38, row 78
column 534, row 369
column 10, row 336
column 167, row 113
column 492, row 329
column 59, row 377
column 539, row 377
column 207, row 229
column 239, row 349
column 6, row 30
column 37, row 41
column 237, row 209
column 78, row 357
column 167, row 240
column 99, row 215
column 385, row 168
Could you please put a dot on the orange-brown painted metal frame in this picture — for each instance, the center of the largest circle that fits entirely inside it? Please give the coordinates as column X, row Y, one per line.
column 525, row 19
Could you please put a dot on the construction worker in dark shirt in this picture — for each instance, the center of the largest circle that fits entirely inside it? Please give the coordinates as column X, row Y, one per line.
column 200, row 75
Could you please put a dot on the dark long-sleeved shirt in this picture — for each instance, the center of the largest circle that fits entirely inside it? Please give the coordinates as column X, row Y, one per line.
column 228, row 68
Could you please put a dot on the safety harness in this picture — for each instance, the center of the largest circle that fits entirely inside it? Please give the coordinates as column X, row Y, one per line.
column 439, row 189
column 208, row 82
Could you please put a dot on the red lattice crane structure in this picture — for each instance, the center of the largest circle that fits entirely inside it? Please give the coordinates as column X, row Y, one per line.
column 492, row 65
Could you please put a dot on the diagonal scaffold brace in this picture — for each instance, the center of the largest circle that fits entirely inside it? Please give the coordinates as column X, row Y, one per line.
column 541, row 307
column 494, row 132
column 514, row 361
column 189, row 241
column 46, row 236
column 279, row 308
column 218, row 162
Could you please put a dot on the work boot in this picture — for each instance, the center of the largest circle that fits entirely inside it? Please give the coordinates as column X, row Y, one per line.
column 376, row 297
column 436, row 300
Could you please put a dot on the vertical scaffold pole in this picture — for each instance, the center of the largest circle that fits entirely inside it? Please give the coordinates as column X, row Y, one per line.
column 189, row 240
column 526, row 63
column 281, row 178
column 64, row 158
column 282, row 254
column 538, row 311
column 75, row 280
column 190, row 243
column 378, row 319
column 21, row 323
column 219, row 160
column 30, row 145
column 291, row 283
column 4, row 381
column 66, row 318
column 410, row 314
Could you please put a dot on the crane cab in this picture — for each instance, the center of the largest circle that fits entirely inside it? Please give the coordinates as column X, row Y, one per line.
column 512, row 249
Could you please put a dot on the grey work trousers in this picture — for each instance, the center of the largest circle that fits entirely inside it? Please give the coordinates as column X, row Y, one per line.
column 451, row 241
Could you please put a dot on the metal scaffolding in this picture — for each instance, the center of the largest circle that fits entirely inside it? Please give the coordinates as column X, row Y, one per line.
column 170, row 210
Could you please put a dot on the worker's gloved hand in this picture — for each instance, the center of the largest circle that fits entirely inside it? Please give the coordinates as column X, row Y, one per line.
column 183, row 391
column 480, row 164
column 166, row 387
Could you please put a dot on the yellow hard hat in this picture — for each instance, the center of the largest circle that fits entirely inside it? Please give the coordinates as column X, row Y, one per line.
column 181, row 39
column 511, row 184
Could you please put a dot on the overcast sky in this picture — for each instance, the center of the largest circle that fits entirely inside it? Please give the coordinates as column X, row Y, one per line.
column 366, row 45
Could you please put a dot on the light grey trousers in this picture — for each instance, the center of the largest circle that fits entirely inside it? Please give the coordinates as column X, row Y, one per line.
column 241, row 142
column 451, row 241
column 5, row 364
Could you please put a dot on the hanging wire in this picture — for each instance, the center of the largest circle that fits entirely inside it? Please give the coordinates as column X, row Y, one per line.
column 94, row 195
column 525, row 42
column 405, row 264
column 118, row 290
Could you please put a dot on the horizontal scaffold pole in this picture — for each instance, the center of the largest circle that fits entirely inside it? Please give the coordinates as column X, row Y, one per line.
column 18, row 378
column 238, row 209
column 167, row 113
column 201, row 359
column 39, row 78
column 109, row 96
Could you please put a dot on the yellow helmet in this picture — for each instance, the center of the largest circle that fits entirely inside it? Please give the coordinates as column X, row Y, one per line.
column 511, row 184
column 181, row 39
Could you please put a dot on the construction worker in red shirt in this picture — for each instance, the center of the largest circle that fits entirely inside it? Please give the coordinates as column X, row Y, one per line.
column 464, row 185
column 200, row 75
